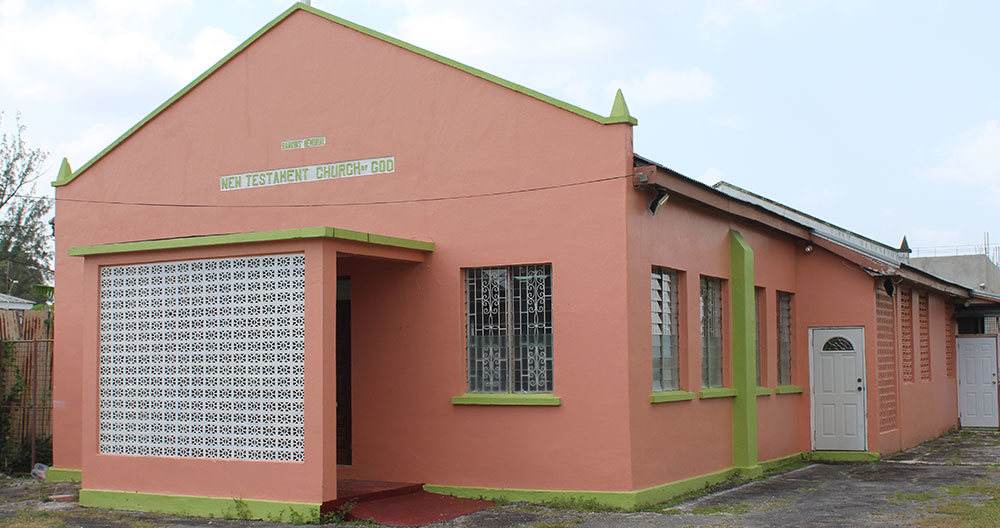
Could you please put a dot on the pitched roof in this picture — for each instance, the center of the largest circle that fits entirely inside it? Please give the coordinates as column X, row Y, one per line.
column 619, row 112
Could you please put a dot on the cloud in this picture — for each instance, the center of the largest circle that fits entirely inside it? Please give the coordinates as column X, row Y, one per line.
column 660, row 85
column 973, row 159
column 100, row 45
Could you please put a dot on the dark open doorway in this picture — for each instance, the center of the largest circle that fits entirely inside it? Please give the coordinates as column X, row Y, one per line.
column 344, row 371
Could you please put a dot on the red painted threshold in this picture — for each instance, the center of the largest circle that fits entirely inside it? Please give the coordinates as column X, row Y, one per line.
column 358, row 491
column 416, row 509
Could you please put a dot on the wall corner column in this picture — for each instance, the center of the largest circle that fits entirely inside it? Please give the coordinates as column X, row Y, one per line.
column 744, row 357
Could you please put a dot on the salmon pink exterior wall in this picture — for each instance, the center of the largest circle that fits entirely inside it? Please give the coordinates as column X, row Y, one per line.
column 452, row 134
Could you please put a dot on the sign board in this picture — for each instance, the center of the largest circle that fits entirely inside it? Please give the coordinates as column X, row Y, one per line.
column 327, row 171
column 292, row 144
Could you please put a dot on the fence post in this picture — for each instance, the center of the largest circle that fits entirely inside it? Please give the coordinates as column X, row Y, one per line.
column 34, row 397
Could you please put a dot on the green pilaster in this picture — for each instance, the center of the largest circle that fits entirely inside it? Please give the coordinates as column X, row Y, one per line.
column 744, row 355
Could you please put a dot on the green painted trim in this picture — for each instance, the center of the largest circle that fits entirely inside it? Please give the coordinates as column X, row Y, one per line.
column 619, row 110
column 764, row 391
column 277, row 511
column 744, row 354
column 243, row 238
column 64, row 179
column 842, row 456
column 721, row 392
column 788, row 389
column 671, row 396
column 65, row 171
column 506, row 399
column 967, row 428
column 614, row 499
column 54, row 474
column 775, row 462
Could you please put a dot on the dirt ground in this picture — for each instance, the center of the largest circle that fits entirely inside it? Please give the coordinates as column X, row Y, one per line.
column 951, row 481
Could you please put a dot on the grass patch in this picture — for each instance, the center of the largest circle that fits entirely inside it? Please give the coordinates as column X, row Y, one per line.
column 556, row 524
column 901, row 497
column 723, row 509
column 29, row 519
column 581, row 505
column 962, row 513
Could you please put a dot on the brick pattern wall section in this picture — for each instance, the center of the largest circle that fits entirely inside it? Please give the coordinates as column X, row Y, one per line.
column 886, row 358
column 949, row 339
column 906, row 316
column 925, row 338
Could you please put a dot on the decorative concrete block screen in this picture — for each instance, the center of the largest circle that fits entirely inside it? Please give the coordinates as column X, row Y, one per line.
column 203, row 358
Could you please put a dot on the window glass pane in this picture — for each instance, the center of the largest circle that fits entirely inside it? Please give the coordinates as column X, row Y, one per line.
column 758, row 298
column 711, row 332
column 532, row 328
column 486, row 329
column 663, row 292
column 784, row 338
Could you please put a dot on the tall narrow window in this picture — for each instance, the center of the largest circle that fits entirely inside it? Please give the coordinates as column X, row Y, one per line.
column 758, row 305
column 784, row 338
column 666, row 366
column 906, row 338
column 711, row 332
column 924, row 328
column 509, row 328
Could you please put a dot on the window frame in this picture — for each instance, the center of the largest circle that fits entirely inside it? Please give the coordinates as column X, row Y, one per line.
column 676, row 324
column 719, row 325
column 517, row 354
column 786, row 347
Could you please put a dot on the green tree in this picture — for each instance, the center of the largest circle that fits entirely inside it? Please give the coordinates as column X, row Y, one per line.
column 25, row 248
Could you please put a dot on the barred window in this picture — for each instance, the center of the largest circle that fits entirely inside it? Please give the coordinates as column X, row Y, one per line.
column 509, row 328
column 784, row 338
column 711, row 332
column 758, row 304
column 666, row 366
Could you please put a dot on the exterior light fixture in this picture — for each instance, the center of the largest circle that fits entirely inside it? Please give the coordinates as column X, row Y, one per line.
column 660, row 199
column 809, row 248
column 640, row 181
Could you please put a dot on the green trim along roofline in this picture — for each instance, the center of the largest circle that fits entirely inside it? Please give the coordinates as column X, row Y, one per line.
column 256, row 236
column 232, row 508
column 54, row 474
column 469, row 398
column 619, row 111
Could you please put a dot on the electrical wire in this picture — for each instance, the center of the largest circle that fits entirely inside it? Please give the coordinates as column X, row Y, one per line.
column 346, row 204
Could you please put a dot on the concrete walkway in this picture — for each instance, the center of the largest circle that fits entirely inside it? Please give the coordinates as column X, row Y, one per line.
column 951, row 481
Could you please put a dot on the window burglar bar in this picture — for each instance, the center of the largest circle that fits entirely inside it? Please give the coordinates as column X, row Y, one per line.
column 509, row 328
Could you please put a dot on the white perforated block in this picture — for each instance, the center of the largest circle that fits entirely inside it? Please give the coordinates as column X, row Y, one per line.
column 203, row 358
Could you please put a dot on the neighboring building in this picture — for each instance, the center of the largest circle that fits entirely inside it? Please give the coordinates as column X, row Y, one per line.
column 976, row 272
column 9, row 302
column 339, row 256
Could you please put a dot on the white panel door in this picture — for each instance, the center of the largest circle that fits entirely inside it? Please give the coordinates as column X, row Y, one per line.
column 838, row 388
column 977, row 381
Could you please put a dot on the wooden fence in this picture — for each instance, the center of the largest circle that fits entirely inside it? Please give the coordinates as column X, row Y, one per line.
column 27, row 363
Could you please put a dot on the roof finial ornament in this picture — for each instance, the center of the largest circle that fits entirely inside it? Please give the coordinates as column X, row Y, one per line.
column 65, row 172
column 904, row 247
column 619, row 110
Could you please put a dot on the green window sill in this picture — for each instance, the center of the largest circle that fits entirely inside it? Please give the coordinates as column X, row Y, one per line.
column 788, row 389
column 764, row 391
column 671, row 396
column 506, row 399
column 721, row 392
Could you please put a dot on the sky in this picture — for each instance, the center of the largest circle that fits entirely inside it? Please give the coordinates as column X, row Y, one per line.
column 882, row 117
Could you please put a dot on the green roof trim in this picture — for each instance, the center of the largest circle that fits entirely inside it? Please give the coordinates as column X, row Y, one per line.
column 243, row 238
column 63, row 179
